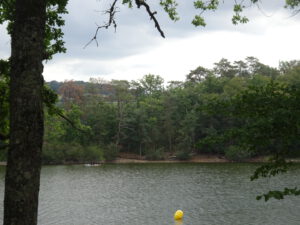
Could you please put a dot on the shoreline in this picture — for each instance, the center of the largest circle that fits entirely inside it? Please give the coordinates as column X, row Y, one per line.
column 201, row 158
column 129, row 158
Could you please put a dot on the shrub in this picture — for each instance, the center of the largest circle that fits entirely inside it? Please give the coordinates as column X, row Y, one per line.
column 155, row 154
column 53, row 153
column 58, row 153
column 235, row 153
column 74, row 152
column 110, row 152
column 183, row 155
column 93, row 154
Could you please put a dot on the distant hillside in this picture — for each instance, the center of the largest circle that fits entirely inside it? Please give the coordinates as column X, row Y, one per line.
column 104, row 88
column 55, row 85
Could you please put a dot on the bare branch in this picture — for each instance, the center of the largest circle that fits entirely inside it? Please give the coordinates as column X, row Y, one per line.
column 111, row 21
column 70, row 122
column 151, row 14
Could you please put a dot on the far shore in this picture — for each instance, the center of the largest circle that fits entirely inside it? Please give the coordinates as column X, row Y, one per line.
column 124, row 158
column 200, row 158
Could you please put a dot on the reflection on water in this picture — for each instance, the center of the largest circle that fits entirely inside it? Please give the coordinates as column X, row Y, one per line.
column 149, row 194
column 178, row 222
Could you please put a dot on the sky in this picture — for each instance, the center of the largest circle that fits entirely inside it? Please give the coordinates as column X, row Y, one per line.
column 137, row 49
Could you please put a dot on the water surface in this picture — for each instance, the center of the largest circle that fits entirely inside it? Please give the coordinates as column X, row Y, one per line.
column 146, row 194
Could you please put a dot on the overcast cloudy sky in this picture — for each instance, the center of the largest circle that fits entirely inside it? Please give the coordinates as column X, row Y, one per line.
column 137, row 49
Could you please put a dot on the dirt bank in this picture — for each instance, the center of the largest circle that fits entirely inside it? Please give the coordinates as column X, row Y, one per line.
column 202, row 158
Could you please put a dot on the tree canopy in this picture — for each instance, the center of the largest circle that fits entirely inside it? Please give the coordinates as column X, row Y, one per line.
column 35, row 28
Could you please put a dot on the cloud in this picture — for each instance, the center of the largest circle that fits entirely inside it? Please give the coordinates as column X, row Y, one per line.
column 136, row 48
column 136, row 33
column 174, row 58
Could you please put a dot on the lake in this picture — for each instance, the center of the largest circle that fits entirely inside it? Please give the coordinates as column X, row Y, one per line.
column 146, row 194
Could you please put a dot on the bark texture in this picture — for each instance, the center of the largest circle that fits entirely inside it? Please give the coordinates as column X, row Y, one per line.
column 26, row 114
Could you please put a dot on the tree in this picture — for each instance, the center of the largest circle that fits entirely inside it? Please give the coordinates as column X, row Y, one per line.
column 33, row 29
column 241, row 68
column 269, row 124
column 224, row 68
column 26, row 113
column 198, row 75
column 152, row 84
column 238, row 8
column 95, row 86
column 122, row 96
column 287, row 67
column 71, row 93
column 30, row 45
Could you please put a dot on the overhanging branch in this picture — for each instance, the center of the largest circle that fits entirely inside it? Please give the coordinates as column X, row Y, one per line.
column 111, row 21
column 151, row 14
column 70, row 122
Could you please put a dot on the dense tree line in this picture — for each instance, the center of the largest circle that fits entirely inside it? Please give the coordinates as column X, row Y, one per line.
column 156, row 120
column 237, row 110
column 36, row 35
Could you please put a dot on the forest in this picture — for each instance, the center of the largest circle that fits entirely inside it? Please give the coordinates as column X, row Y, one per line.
column 236, row 110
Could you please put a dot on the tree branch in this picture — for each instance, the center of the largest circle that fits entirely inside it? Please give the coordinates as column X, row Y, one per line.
column 111, row 21
column 70, row 122
column 151, row 14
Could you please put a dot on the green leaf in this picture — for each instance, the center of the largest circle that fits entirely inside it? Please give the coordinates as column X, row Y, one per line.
column 198, row 21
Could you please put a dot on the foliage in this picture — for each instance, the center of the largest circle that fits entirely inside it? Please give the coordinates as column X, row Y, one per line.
column 235, row 109
column 170, row 7
column 237, row 7
column 53, row 43
column 71, row 93
column 54, row 36
column 263, row 108
column 182, row 155
column 111, row 152
column 4, row 94
column 223, row 110
column 53, row 153
column 57, row 153
column 269, row 124
column 237, row 154
column 201, row 115
column 279, row 194
column 155, row 154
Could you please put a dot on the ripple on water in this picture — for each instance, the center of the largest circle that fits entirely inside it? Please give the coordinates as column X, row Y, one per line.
column 150, row 194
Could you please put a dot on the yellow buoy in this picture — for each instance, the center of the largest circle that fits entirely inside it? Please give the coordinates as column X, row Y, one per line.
column 178, row 215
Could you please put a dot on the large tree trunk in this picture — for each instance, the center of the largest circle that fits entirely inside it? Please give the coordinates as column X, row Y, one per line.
column 26, row 114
